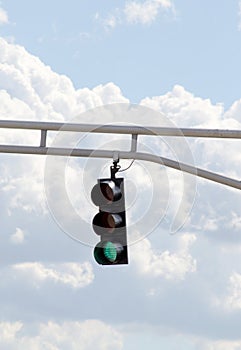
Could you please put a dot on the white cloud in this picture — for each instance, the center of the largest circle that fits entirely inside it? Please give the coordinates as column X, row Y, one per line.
column 31, row 90
column 235, row 222
column 110, row 93
column 18, row 237
column 233, row 300
column 171, row 266
column 112, row 20
column 3, row 16
column 9, row 330
column 185, row 109
column 135, row 12
column 220, row 345
column 146, row 12
column 87, row 335
column 17, row 180
column 75, row 275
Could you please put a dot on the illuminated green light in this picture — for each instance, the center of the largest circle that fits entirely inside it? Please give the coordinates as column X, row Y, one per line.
column 110, row 251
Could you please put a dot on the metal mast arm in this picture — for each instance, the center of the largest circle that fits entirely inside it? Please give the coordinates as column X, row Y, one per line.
column 44, row 127
column 121, row 129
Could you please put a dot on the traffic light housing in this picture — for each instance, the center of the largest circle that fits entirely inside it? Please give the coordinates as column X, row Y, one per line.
column 110, row 222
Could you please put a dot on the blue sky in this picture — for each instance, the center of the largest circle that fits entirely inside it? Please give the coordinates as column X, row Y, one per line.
column 89, row 62
column 196, row 44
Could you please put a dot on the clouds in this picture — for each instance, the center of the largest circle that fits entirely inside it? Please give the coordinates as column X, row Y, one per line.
column 8, row 330
column 19, row 177
column 233, row 300
column 167, row 265
column 91, row 334
column 185, row 109
column 70, row 274
column 47, row 275
column 18, row 237
column 31, row 90
column 136, row 12
column 220, row 345
column 166, row 273
column 146, row 12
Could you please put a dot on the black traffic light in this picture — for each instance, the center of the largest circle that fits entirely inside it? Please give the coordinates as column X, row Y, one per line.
column 110, row 222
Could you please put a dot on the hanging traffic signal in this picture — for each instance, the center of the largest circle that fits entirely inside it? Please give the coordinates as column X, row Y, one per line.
column 110, row 222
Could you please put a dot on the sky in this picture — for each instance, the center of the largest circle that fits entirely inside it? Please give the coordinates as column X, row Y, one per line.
column 153, row 62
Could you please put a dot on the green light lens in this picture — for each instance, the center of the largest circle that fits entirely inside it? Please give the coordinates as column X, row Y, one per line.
column 110, row 251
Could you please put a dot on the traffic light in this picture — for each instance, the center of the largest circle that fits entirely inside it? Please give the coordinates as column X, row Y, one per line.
column 110, row 222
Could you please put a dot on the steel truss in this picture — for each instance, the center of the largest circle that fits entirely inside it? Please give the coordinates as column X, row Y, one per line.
column 133, row 131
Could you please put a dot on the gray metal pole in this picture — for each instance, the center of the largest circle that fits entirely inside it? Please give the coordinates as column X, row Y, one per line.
column 91, row 153
column 121, row 129
column 44, row 127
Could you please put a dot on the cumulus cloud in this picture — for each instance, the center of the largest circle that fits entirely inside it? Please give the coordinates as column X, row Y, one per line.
column 18, row 178
column 9, row 330
column 74, row 275
column 31, row 90
column 87, row 335
column 185, row 109
column 170, row 266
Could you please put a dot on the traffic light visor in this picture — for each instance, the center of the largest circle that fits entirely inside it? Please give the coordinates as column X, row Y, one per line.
column 105, row 192
column 106, row 222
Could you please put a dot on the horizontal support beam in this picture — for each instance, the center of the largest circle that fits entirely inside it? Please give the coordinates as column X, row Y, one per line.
column 90, row 153
column 121, row 129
